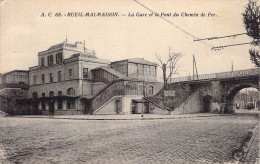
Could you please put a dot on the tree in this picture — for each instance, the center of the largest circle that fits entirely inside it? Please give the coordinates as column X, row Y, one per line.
column 251, row 19
column 169, row 67
column 255, row 56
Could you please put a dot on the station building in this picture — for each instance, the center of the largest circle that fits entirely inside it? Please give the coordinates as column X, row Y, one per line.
column 15, row 79
column 71, row 79
column 14, row 87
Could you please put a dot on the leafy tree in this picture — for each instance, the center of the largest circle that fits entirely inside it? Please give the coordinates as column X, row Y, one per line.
column 255, row 56
column 251, row 19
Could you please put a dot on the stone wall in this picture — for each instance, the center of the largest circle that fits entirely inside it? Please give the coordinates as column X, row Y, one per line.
column 191, row 105
column 156, row 110
column 65, row 112
column 125, row 103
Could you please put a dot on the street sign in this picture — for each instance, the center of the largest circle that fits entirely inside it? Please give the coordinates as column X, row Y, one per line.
column 169, row 93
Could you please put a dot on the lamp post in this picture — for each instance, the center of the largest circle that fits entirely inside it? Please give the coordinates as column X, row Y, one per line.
column 143, row 102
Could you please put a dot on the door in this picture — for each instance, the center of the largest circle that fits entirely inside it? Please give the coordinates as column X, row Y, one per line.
column 206, row 103
column 51, row 107
column 118, row 107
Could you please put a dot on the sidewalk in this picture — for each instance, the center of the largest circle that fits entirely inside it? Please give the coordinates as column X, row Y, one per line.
column 253, row 111
column 252, row 155
column 124, row 117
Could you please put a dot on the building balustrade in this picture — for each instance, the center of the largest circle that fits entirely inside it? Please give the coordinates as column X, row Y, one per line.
column 117, row 88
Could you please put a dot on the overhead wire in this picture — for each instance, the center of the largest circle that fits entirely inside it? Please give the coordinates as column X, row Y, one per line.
column 221, row 47
column 176, row 26
column 220, row 37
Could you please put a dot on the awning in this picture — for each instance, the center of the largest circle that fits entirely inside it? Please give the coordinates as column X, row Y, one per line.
column 53, row 98
column 140, row 101
column 85, row 97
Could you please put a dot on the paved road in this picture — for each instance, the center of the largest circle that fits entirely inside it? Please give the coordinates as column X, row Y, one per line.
column 187, row 140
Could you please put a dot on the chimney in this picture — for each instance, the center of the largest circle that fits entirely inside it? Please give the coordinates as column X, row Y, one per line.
column 80, row 45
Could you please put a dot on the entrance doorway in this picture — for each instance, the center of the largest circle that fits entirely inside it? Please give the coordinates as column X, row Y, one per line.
column 206, row 103
column 51, row 107
column 118, row 106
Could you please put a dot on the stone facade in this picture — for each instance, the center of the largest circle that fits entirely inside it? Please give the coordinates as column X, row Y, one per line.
column 14, row 86
column 15, row 79
column 212, row 95
column 63, row 73
column 69, row 78
column 136, row 68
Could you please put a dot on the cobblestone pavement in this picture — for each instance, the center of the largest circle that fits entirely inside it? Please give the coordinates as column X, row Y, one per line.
column 187, row 140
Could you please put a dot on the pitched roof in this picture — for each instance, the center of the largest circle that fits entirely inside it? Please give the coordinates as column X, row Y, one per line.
column 16, row 70
column 64, row 44
column 114, row 72
column 139, row 61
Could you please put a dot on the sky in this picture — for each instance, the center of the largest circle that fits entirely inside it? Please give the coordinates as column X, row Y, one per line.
column 24, row 32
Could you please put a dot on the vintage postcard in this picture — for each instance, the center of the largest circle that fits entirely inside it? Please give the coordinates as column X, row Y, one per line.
column 133, row 81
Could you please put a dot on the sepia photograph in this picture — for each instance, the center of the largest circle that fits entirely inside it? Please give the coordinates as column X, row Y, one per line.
column 133, row 81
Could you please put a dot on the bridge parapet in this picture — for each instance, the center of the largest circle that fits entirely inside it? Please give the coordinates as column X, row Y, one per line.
column 221, row 75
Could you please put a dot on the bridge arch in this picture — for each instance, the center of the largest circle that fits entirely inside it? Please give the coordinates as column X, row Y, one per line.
column 232, row 91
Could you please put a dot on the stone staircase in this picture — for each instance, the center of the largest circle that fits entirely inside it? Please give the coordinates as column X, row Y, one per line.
column 158, row 101
column 119, row 87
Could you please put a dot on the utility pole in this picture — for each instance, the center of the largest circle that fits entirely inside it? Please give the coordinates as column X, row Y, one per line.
column 195, row 71
column 232, row 67
column 84, row 46
column 246, row 95
column 170, row 63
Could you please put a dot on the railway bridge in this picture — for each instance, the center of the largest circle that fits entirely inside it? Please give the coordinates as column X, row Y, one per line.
column 209, row 92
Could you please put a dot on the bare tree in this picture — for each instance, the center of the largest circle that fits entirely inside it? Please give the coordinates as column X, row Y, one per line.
column 169, row 67
column 251, row 18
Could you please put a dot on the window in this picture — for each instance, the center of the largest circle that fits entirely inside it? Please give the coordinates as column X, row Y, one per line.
column 132, row 69
column 70, row 104
column 85, row 72
column 152, row 69
column 59, row 104
column 34, row 79
column 150, row 90
column 43, row 78
column 59, row 75
column 51, row 77
column 59, row 58
column 59, row 93
column 34, row 95
column 43, row 105
column 42, row 62
column 50, row 60
column 51, row 94
column 146, row 70
column 140, row 90
column 140, row 69
column 71, row 91
column 70, row 74
column 145, row 91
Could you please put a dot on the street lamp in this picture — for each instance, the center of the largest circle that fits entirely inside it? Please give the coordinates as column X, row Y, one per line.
column 143, row 102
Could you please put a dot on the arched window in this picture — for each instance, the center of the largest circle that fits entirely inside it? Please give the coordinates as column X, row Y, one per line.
column 59, row 93
column 150, row 89
column 51, row 94
column 71, row 91
column 34, row 95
